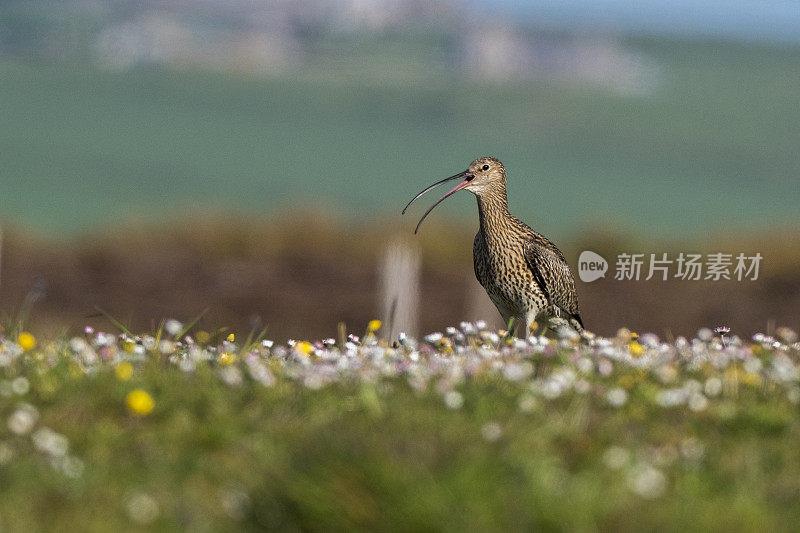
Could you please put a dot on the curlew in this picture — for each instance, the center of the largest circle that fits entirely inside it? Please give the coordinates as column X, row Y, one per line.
column 524, row 274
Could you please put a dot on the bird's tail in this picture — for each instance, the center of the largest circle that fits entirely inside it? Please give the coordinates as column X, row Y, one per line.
column 577, row 323
column 571, row 323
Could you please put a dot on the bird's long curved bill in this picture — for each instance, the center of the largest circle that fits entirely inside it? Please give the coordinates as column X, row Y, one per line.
column 465, row 176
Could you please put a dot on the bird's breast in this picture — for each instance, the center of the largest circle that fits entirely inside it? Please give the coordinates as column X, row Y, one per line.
column 504, row 273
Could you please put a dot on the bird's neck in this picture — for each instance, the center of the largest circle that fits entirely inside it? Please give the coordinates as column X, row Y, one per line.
column 493, row 209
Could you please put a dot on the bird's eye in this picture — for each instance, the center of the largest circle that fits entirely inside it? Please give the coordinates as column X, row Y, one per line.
column 485, row 167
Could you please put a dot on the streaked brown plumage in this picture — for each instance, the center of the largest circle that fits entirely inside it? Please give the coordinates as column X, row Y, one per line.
column 524, row 274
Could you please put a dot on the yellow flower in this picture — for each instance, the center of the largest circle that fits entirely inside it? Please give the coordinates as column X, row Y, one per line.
column 227, row 358
column 139, row 402
column 124, row 371
column 231, row 337
column 26, row 341
column 304, row 347
column 202, row 337
column 635, row 348
column 374, row 325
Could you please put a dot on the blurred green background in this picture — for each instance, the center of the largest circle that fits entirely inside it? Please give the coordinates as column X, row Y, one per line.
column 120, row 113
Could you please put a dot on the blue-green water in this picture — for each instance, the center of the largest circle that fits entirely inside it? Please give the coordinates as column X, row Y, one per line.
column 714, row 145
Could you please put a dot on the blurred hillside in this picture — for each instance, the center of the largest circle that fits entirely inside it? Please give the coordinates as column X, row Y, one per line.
column 403, row 39
column 713, row 147
column 135, row 109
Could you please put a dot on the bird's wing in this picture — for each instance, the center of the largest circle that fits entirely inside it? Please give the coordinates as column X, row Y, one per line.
column 552, row 273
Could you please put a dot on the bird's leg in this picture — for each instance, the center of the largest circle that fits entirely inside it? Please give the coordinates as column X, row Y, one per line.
column 523, row 327
column 530, row 320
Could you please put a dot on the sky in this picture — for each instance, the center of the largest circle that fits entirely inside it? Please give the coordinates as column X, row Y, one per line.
column 753, row 20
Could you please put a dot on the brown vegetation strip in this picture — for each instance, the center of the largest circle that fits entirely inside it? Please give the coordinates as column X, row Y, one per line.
column 299, row 277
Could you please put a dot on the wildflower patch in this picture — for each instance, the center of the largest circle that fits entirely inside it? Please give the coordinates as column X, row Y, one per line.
column 235, row 431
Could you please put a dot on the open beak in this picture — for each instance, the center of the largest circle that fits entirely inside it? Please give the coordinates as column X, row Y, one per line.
column 465, row 176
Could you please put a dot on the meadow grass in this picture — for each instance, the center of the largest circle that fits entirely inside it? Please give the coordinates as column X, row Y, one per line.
column 468, row 429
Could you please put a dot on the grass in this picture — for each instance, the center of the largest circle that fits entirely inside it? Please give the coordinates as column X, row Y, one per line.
column 465, row 431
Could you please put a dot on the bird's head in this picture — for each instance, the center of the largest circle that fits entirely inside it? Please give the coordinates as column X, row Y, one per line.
column 489, row 172
column 484, row 175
